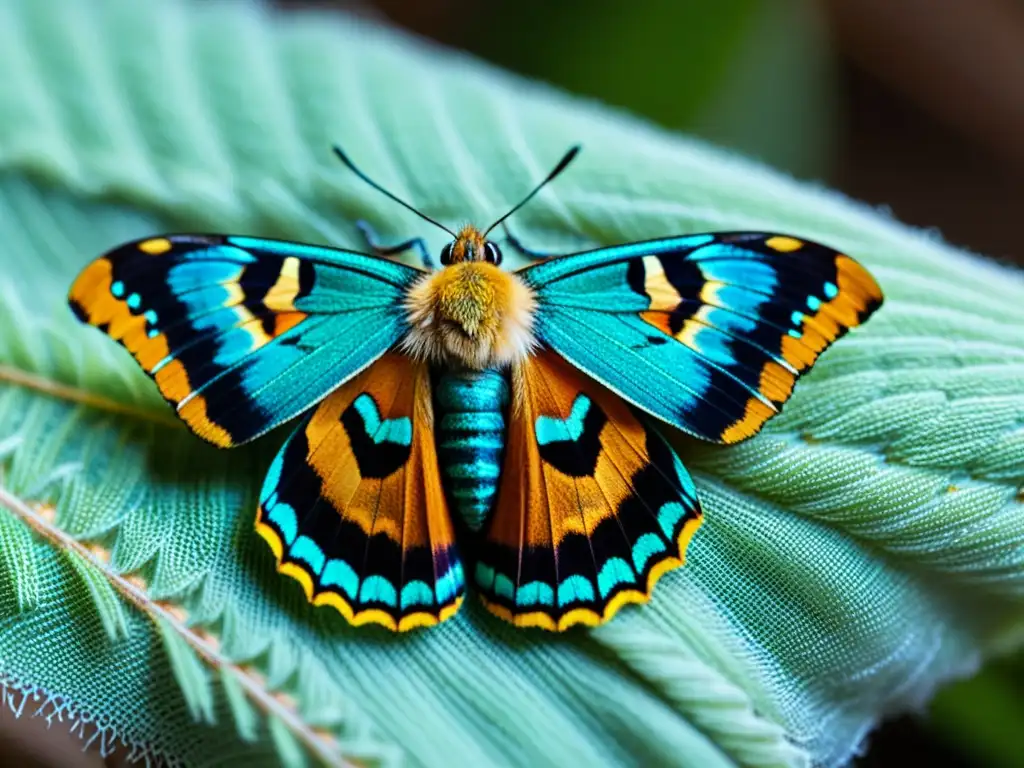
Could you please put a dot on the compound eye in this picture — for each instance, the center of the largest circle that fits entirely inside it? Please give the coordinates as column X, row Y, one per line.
column 446, row 255
column 492, row 253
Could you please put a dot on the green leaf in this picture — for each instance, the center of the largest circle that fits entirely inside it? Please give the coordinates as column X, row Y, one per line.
column 189, row 672
column 866, row 548
column 103, row 596
column 289, row 750
column 18, row 573
column 246, row 718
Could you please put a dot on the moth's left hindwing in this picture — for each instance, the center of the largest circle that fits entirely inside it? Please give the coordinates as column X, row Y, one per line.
column 592, row 508
column 353, row 506
column 241, row 334
column 707, row 332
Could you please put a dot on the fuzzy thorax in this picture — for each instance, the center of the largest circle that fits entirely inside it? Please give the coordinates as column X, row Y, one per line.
column 471, row 314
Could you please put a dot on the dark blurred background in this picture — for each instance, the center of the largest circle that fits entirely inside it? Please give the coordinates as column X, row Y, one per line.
column 915, row 106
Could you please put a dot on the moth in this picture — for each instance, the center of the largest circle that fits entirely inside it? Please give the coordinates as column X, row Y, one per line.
column 527, row 402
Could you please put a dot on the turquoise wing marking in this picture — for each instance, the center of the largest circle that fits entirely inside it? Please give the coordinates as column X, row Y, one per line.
column 707, row 332
column 553, row 270
column 551, row 430
column 240, row 333
column 398, row 431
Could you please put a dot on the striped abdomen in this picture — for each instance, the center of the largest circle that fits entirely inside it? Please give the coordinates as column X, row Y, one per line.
column 470, row 435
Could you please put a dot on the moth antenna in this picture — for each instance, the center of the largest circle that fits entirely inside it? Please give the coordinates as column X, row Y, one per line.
column 352, row 167
column 562, row 165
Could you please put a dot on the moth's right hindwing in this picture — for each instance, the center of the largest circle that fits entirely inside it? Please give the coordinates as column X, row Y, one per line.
column 593, row 507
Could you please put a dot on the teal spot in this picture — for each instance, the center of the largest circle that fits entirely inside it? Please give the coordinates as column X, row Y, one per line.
column 739, row 299
column 224, row 252
column 397, row 431
column 653, row 246
column 233, row 346
column 475, row 492
column 338, row 573
column 813, row 303
column 152, row 333
column 615, row 571
column 552, row 430
column 535, row 592
column 273, row 476
column 797, row 318
column 150, row 315
column 134, row 301
column 831, row 291
column 448, row 585
column 484, row 576
column 197, row 273
column 727, row 320
column 478, row 470
column 465, row 437
column 714, row 345
column 208, row 306
column 503, row 586
column 283, row 517
column 732, row 266
column 416, row 593
column 668, row 518
column 646, row 547
column 307, row 550
column 795, row 334
column 458, row 574
column 377, row 589
column 575, row 589
column 117, row 288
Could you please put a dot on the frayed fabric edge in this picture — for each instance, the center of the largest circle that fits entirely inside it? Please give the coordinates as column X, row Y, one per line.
column 25, row 698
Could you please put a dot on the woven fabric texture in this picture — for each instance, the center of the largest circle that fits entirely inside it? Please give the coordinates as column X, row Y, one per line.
column 868, row 546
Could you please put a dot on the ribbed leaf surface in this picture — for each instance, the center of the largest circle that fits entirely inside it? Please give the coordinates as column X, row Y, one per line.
column 868, row 546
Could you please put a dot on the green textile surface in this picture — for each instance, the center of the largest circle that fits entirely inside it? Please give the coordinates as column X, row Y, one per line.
column 868, row 546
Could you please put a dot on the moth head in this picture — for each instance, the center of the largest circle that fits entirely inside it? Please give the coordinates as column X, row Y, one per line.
column 471, row 313
column 470, row 245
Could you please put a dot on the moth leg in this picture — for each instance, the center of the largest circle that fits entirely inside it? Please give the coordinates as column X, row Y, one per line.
column 373, row 240
column 529, row 253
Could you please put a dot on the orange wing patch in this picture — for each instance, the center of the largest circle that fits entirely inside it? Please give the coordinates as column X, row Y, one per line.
column 99, row 300
column 594, row 506
column 353, row 506
column 844, row 304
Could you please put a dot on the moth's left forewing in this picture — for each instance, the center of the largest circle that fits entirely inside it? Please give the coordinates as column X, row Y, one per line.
column 707, row 332
column 593, row 505
column 239, row 333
